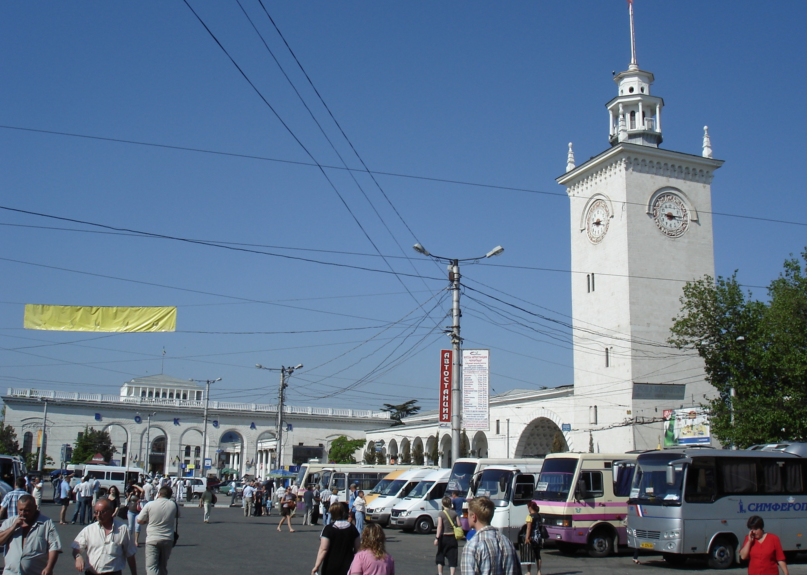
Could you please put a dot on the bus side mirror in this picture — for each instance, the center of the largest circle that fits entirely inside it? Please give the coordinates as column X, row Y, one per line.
column 580, row 490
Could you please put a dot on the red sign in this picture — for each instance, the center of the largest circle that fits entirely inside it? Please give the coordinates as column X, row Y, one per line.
column 446, row 358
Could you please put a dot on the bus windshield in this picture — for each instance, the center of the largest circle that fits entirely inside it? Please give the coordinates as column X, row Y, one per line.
column 495, row 485
column 393, row 487
column 460, row 478
column 301, row 474
column 381, row 486
column 326, row 478
column 650, row 485
column 420, row 490
column 556, row 478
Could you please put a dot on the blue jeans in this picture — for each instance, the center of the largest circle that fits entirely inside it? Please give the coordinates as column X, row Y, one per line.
column 360, row 521
column 131, row 518
column 83, row 509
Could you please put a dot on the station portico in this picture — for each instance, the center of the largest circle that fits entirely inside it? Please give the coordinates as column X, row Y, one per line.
column 152, row 430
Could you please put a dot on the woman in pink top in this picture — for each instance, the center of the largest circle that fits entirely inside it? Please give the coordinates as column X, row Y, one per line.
column 372, row 558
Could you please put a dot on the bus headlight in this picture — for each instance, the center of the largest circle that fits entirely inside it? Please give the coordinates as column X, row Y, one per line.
column 403, row 514
column 564, row 521
column 371, row 511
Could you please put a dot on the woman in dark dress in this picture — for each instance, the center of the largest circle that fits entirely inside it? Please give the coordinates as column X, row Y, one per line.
column 338, row 543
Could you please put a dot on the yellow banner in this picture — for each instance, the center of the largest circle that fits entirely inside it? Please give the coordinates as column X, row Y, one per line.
column 95, row 318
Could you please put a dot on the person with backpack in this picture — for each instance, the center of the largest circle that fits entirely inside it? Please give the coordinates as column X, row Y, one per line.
column 534, row 536
column 447, row 535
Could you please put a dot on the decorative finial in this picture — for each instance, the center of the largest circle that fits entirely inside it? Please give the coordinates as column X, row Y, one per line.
column 633, row 64
column 623, row 129
column 570, row 159
column 707, row 143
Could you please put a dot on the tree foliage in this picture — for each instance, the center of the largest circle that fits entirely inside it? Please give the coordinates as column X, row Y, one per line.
column 92, row 441
column 342, row 449
column 559, row 443
column 759, row 348
column 398, row 412
column 8, row 440
column 417, row 454
column 406, row 455
column 380, row 458
column 369, row 453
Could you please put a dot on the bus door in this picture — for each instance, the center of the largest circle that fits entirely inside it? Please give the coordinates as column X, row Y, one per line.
column 523, row 492
column 339, row 482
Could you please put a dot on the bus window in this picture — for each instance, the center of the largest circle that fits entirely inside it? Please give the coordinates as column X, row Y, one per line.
column 7, row 471
column 556, row 479
column 437, row 491
column 772, row 476
column 116, row 476
column 314, row 478
column 338, row 481
column 524, row 490
column 95, row 474
column 623, row 478
column 593, row 482
column 701, row 485
column 409, row 487
column 495, row 484
column 738, row 476
column 794, row 482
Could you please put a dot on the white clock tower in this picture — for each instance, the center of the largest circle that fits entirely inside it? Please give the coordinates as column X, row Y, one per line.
column 641, row 226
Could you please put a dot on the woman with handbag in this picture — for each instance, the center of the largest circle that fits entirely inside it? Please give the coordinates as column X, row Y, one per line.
column 446, row 539
column 534, row 535
column 288, row 504
column 133, row 506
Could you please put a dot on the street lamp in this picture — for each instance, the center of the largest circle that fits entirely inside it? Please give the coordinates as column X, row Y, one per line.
column 148, row 445
column 285, row 373
column 41, row 458
column 208, row 382
column 456, row 340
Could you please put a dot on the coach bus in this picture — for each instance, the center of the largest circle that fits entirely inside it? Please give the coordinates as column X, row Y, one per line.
column 690, row 502
column 584, row 500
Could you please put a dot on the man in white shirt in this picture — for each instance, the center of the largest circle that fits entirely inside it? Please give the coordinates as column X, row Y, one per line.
column 148, row 491
column 249, row 498
column 160, row 516
column 105, row 546
column 84, row 508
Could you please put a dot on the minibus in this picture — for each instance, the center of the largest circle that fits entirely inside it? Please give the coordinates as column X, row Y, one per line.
column 381, row 509
column 419, row 510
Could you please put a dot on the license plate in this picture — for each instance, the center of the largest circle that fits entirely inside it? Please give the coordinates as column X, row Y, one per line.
column 646, row 545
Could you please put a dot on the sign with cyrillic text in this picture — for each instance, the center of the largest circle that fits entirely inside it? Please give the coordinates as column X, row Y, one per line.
column 475, row 389
column 444, row 410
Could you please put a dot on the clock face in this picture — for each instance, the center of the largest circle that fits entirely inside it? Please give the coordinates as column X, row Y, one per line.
column 671, row 215
column 597, row 219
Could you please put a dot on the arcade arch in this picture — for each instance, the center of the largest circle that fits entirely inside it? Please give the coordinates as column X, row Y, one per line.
column 119, row 435
column 418, row 452
column 445, row 451
column 431, row 454
column 190, row 452
column 393, row 451
column 231, row 451
column 406, row 451
column 267, row 444
column 479, row 445
column 538, row 438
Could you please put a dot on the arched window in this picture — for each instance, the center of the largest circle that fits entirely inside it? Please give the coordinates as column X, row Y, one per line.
column 633, row 120
column 27, row 442
column 197, row 451
column 187, row 451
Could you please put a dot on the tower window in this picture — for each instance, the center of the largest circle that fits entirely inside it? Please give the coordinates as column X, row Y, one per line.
column 642, row 88
column 633, row 119
column 630, row 89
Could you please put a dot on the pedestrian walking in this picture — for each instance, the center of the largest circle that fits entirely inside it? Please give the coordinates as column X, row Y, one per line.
column 248, row 496
column 148, row 490
column 445, row 540
column 32, row 543
column 134, row 502
column 64, row 499
column 308, row 501
column 328, row 502
column 105, row 546
column 339, row 542
column 36, row 491
column 489, row 552
column 533, row 536
column 83, row 492
column 8, row 508
column 161, row 517
column 114, row 497
column 372, row 558
column 96, row 491
column 763, row 550
column 287, row 506
column 359, row 509
column 207, row 500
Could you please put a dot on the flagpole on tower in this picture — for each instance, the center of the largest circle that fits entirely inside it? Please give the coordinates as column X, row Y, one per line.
column 633, row 64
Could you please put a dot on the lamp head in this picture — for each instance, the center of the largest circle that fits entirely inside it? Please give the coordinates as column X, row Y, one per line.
column 259, row 366
column 299, row 366
column 421, row 250
column 494, row 252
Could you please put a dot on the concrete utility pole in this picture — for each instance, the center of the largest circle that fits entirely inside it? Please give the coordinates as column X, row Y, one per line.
column 285, row 373
column 456, row 341
column 207, row 382
column 41, row 460
column 148, row 444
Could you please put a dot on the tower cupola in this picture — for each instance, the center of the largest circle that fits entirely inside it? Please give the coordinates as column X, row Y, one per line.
column 634, row 115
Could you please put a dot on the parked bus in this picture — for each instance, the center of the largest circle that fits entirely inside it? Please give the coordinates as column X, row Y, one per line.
column 382, row 485
column 510, row 486
column 381, row 509
column 11, row 467
column 584, row 500
column 420, row 508
column 107, row 475
column 320, row 474
column 466, row 467
column 689, row 502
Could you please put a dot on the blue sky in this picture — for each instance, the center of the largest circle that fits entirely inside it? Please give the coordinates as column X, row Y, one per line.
column 483, row 93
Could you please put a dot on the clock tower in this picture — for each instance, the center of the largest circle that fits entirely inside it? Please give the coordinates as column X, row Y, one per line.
column 641, row 227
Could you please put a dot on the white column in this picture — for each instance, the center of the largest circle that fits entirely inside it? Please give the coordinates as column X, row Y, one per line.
column 641, row 116
column 610, row 122
column 658, row 118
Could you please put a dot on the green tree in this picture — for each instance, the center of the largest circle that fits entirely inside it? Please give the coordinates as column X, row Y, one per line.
column 434, row 453
column 417, row 454
column 398, row 412
column 559, row 443
column 406, row 455
column 369, row 453
column 380, row 458
column 465, row 445
column 342, row 449
column 8, row 440
column 92, row 441
column 757, row 348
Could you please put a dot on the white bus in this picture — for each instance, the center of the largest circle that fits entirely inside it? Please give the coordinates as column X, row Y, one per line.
column 380, row 510
column 420, row 508
column 107, row 476
column 322, row 474
column 466, row 467
column 584, row 500
column 696, row 502
column 510, row 486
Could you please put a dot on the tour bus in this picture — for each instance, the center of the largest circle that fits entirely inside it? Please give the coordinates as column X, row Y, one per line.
column 381, row 509
column 107, row 475
column 686, row 502
column 510, row 486
column 371, row 496
column 466, row 467
column 584, row 500
column 420, row 508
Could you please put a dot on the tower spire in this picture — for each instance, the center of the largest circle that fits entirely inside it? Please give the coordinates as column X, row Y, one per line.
column 633, row 64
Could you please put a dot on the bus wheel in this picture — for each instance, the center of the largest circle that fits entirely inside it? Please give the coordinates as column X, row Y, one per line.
column 721, row 554
column 424, row 525
column 674, row 558
column 600, row 544
column 568, row 549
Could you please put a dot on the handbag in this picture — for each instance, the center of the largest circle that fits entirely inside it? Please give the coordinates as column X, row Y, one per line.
column 458, row 532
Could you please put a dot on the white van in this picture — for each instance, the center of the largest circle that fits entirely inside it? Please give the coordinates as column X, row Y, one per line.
column 419, row 509
column 380, row 509
column 107, row 476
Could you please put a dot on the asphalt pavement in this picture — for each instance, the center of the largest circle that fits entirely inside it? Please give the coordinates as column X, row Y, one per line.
column 234, row 544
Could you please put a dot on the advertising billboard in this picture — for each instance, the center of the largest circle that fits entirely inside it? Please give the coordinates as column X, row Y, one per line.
column 476, row 389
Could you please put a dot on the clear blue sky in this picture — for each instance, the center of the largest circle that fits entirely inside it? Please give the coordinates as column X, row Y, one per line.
column 485, row 93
